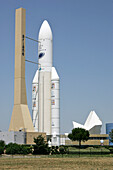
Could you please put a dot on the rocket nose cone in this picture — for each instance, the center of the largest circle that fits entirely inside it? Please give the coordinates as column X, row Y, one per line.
column 45, row 31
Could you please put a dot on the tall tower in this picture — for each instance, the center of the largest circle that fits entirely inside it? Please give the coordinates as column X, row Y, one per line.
column 45, row 95
column 21, row 119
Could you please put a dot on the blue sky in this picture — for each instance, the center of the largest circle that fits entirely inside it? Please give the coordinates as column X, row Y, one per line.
column 82, row 55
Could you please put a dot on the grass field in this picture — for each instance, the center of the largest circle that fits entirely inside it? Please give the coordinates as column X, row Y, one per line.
column 90, row 150
column 82, row 163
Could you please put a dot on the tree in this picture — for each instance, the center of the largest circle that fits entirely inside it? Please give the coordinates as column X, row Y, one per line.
column 41, row 146
column 1, row 150
column 111, row 135
column 2, row 143
column 79, row 134
column 2, row 146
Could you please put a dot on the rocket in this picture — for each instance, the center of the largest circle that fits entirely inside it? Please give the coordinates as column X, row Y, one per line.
column 45, row 89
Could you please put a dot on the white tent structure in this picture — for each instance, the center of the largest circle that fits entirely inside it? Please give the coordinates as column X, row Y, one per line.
column 93, row 124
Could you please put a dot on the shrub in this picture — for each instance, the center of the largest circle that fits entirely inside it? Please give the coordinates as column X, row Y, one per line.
column 2, row 143
column 41, row 146
column 25, row 150
column 1, row 150
column 111, row 149
column 41, row 150
column 54, row 150
column 14, row 148
column 62, row 150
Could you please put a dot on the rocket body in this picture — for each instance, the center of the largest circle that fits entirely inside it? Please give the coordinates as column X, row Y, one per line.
column 45, row 92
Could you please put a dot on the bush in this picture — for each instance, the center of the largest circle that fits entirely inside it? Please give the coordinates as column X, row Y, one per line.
column 24, row 150
column 2, row 143
column 41, row 146
column 1, row 150
column 97, row 146
column 62, row 150
column 107, row 147
column 59, row 150
column 14, row 148
column 54, row 150
column 111, row 149
column 41, row 150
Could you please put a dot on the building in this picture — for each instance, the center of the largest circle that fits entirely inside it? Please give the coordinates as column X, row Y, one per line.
column 109, row 127
column 20, row 137
column 94, row 139
column 13, row 137
column 93, row 124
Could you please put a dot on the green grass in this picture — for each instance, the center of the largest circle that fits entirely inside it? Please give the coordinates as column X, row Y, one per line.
column 90, row 150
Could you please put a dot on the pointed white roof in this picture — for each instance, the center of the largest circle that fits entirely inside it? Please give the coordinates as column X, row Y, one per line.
column 54, row 75
column 76, row 125
column 92, row 120
column 45, row 31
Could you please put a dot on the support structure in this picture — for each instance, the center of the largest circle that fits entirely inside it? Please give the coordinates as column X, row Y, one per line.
column 21, row 119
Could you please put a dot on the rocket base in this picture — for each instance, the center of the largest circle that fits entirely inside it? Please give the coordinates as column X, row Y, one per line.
column 21, row 119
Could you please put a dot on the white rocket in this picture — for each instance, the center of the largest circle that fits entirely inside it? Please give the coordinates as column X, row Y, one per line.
column 45, row 89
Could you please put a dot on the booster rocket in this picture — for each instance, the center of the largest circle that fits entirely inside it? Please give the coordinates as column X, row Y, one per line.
column 45, row 88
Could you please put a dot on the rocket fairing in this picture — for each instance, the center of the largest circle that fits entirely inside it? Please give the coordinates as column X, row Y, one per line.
column 45, row 92
column 45, row 46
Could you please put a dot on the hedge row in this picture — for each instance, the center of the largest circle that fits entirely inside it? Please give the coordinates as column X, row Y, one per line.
column 13, row 148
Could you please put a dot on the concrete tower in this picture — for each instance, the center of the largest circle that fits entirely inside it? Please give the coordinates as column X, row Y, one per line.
column 21, row 119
